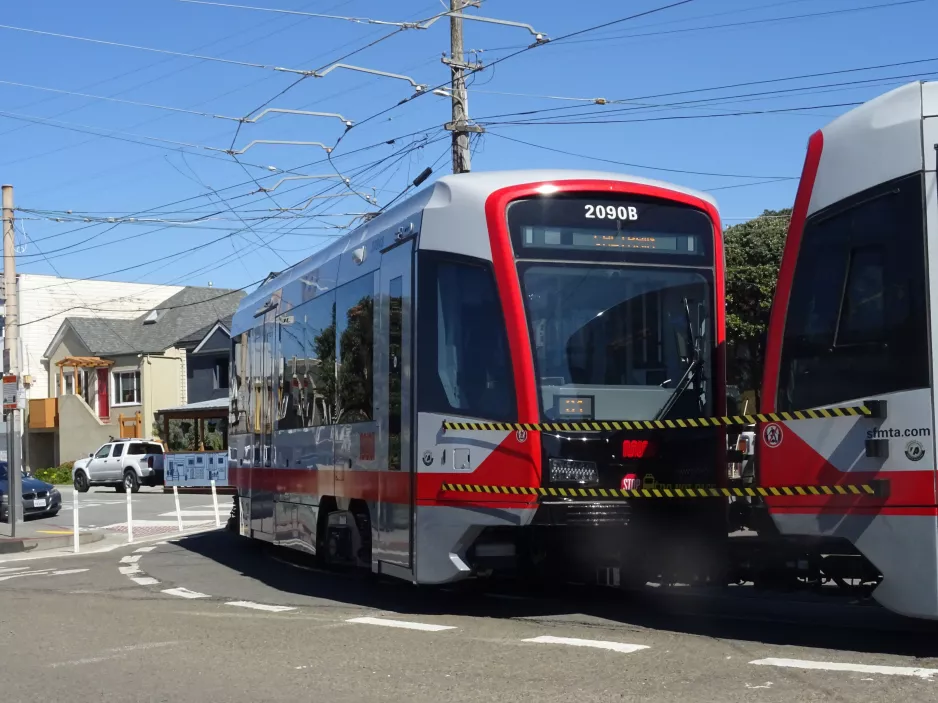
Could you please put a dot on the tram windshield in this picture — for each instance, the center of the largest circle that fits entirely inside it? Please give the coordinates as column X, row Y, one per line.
column 619, row 296
column 617, row 342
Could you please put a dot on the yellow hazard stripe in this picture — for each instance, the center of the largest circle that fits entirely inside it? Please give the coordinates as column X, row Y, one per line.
column 668, row 491
column 683, row 423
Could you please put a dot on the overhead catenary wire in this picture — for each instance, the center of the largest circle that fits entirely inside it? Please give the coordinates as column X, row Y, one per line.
column 636, row 165
column 738, row 113
column 535, row 45
column 193, row 249
column 280, row 69
column 745, row 23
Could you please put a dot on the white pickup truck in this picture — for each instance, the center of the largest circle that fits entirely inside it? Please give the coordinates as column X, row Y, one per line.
column 125, row 464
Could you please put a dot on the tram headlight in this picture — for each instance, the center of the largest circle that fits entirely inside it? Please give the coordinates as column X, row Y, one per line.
column 584, row 473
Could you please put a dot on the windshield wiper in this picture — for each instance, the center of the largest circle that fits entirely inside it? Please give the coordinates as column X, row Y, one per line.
column 693, row 368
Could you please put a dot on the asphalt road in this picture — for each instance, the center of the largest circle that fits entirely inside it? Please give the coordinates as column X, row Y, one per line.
column 212, row 617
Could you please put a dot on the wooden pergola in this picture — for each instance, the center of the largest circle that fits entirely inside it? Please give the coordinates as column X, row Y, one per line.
column 212, row 410
column 79, row 362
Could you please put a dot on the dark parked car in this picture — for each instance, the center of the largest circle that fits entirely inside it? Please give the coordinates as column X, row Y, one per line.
column 39, row 498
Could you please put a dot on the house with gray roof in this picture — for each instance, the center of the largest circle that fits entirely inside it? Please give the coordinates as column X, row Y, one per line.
column 111, row 376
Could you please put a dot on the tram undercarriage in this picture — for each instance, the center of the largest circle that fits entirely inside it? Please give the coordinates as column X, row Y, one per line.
column 691, row 545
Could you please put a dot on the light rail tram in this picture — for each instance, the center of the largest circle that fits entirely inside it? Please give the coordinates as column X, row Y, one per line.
column 854, row 320
column 516, row 296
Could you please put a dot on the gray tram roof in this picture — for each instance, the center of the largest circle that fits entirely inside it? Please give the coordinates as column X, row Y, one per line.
column 470, row 186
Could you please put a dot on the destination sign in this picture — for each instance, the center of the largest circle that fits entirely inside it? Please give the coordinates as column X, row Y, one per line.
column 600, row 227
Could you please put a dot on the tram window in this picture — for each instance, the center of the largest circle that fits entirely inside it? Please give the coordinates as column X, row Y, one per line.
column 464, row 366
column 857, row 321
column 355, row 331
column 862, row 313
column 292, row 370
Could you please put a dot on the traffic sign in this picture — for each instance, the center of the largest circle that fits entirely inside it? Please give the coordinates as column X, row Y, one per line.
column 9, row 392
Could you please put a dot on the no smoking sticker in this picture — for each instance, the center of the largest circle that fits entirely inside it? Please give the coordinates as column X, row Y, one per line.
column 772, row 435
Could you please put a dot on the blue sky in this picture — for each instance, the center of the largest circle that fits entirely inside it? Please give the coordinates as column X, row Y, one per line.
column 53, row 147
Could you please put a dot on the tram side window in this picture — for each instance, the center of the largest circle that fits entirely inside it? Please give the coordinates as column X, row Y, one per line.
column 857, row 320
column 307, row 359
column 355, row 329
column 292, row 368
column 464, row 365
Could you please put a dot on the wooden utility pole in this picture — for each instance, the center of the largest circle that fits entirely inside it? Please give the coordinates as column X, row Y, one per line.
column 460, row 126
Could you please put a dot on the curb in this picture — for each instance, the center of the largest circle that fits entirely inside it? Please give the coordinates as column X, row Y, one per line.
column 15, row 545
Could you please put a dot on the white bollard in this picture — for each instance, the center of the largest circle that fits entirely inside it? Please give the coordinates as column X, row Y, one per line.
column 130, row 519
column 178, row 511
column 75, row 539
column 215, row 501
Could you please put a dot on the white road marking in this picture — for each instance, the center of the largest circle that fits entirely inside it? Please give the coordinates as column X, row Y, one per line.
column 11, row 569
column 130, row 559
column 115, row 653
column 916, row 671
column 42, row 572
column 128, row 570
column 156, row 523
column 144, row 580
column 599, row 644
column 401, row 623
column 260, row 606
column 144, row 550
column 184, row 593
column 192, row 513
column 38, row 572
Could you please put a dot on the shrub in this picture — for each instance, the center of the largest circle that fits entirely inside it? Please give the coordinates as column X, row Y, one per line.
column 59, row 475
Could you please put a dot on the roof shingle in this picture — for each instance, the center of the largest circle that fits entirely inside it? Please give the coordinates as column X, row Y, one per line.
column 177, row 319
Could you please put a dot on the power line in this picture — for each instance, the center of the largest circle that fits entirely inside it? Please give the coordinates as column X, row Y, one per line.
column 768, row 20
column 740, row 113
column 564, row 37
column 639, row 107
column 356, row 20
column 634, row 165
column 186, row 251
column 180, row 54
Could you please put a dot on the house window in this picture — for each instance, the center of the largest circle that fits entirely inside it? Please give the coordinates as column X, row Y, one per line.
column 221, row 374
column 69, row 383
column 126, row 388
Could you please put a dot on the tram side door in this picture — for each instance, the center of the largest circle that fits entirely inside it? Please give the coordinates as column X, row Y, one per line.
column 394, row 534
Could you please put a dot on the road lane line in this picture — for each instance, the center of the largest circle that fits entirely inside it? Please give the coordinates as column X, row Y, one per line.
column 184, row 593
column 190, row 513
column 39, row 572
column 599, row 644
column 916, row 671
column 128, row 570
column 401, row 623
column 65, row 572
column 11, row 569
column 144, row 580
column 115, row 653
column 260, row 606
column 130, row 559
column 143, row 550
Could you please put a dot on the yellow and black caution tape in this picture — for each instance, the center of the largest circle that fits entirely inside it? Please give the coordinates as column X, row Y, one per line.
column 861, row 489
column 693, row 422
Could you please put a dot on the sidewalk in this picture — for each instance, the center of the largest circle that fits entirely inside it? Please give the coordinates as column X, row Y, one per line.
column 36, row 535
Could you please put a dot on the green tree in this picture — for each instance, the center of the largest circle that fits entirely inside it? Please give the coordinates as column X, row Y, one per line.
column 182, row 435
column 753, row 256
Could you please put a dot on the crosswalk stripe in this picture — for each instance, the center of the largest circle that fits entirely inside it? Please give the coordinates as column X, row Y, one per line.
column 622, row 647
